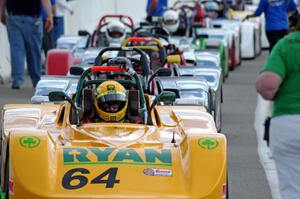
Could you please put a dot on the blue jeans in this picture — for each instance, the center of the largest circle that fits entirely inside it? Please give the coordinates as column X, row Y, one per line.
column 59, row 28
column 25, row 39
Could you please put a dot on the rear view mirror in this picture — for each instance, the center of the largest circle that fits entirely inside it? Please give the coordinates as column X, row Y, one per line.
column 83, row 33
column 173, row 59
column 167, row 97
column 58, row 96
column 75, row 70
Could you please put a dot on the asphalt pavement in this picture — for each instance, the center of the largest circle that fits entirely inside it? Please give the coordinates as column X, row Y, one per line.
column 247, row 179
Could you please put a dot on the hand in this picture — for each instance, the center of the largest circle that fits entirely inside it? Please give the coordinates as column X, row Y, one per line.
column 248, row 17
column 3, row 18
column 49, row 24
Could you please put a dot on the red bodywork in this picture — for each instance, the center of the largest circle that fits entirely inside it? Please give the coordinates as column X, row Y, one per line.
column 59, row 61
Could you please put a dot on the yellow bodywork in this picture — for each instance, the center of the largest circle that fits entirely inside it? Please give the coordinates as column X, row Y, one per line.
column 46, row 157
column 241, row 15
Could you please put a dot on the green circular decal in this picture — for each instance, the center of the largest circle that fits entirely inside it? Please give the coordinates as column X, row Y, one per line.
column 30, row 141
column 208, row 143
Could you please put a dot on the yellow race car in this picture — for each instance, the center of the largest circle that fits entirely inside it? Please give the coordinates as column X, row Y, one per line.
column 49, row 152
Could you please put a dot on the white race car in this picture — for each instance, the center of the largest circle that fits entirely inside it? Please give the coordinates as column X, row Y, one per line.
column 251, row 33
column 233, row 26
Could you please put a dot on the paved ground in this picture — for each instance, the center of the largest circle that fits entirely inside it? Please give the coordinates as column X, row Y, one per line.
column 247, row 178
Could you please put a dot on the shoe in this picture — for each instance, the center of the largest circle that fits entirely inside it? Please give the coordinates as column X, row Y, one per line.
column 15, row 87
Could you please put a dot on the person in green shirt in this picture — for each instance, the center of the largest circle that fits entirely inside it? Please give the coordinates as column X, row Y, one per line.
column 280, row 83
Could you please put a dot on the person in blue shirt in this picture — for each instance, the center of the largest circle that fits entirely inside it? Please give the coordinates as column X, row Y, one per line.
column 155, row 8
column 276, row 18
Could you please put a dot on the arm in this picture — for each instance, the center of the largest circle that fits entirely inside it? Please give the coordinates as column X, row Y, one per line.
column 274, row 72
column 260, row 9
column 152, row 7
column 2, row 11
column 267, row 84
column 48, row 9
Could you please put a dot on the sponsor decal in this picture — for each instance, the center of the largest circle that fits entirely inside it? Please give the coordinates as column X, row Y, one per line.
column 29, row 141
column 158, row 172
column 208, row 143
column 11, row 187
column 129, row 156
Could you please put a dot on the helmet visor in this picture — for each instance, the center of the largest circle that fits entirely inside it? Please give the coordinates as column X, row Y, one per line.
column 111, row 106
column 170, row 22
column 112, row 97
column 115, row 32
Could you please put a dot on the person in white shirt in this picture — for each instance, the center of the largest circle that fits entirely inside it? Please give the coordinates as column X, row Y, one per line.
column 59, row 24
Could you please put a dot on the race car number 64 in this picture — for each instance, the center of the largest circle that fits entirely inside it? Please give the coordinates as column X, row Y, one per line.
column 75, row 178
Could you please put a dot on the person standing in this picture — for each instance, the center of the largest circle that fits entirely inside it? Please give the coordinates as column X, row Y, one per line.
column 279, row 82
column 276, row 18
column 24, row 27
column 48, row 39
column 156, row 8
column 59, row 23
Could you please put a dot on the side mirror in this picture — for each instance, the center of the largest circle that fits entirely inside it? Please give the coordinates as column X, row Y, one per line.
column 75, row 70
column 166, row 72
column 167, row 97
column 57, row 96
column 83, row 33
column 203, row 36
column 164, row 96
column 173, row 59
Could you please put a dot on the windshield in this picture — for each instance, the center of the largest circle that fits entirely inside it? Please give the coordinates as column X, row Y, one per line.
column 209, row 78
column 191, row 93
column 216, row 37
column 206, row 63
column 67, row 46
column 45, row 91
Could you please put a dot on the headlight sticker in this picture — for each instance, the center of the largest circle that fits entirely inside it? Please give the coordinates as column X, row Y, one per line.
column 208, row 143
column 29, row 141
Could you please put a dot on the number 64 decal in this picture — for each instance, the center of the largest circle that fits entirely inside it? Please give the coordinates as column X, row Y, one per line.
column 81, row 180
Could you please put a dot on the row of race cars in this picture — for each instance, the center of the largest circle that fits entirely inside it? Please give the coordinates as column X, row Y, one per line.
column 173, row 75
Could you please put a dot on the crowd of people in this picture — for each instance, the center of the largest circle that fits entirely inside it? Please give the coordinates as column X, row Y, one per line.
column 32, row 24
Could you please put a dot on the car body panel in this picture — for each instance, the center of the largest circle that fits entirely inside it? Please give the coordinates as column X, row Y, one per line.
column 48, row 84
column 50, row 151
column 189, row 90
column 234, row 26
column 214, row 80
column 140, row 153
column 251, row 33
column 217, row 39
